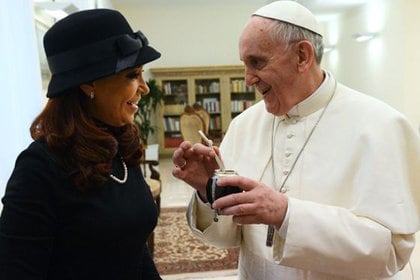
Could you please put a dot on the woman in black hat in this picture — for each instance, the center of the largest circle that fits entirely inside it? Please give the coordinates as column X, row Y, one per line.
column 76, row 205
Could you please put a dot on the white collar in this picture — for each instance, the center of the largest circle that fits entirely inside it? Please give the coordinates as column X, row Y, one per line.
column 315, row 101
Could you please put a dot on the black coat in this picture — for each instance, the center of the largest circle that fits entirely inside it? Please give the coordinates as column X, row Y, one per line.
column 50, row 230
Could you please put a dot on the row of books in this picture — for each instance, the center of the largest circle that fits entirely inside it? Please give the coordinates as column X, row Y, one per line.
column 212, row 87
column 212, row 105
column 177, row 87
column 240, row 86
column 171, row 123
column 215, row 123
column 240, row 105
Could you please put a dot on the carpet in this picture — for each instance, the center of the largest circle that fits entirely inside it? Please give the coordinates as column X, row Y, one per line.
column 178, row 251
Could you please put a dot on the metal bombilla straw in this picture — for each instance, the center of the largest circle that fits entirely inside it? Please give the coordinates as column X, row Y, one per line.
column 210, row 144
column 219, row 163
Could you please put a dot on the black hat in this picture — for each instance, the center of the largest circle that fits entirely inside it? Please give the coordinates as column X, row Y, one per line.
column 92, row 44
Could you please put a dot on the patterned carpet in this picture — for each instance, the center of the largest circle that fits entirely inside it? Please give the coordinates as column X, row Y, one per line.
column 178, row 251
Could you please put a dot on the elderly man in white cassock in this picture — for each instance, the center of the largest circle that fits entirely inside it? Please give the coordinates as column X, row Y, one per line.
column 329, row 177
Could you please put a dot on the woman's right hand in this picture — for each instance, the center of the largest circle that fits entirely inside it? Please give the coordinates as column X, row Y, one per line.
column 195, row 164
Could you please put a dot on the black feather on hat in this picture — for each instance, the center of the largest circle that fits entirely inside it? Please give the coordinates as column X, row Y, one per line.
column 92, row 44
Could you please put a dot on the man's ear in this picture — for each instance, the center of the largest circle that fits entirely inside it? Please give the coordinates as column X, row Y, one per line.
column 87, row 89
column 306, row 55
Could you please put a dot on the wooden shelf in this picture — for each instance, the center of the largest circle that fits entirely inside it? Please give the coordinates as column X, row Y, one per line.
column 216, row 88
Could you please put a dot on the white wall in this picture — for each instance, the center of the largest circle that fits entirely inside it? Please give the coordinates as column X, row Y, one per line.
column 387, row 66
column 411, row 56
column 198, row 34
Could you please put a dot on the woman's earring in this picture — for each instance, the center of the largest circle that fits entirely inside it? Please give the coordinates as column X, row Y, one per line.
column 92, row 95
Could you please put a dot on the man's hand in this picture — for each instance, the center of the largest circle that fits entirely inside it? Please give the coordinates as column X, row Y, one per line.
column 259, row 204
column 194, row 165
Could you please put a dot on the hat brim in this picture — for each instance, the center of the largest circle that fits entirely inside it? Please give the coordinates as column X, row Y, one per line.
column 62, row 82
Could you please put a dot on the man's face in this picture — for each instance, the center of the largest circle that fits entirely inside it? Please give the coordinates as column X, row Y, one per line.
column 269, row 66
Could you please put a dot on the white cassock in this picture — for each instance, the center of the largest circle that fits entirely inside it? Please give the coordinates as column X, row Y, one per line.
column 354, row 193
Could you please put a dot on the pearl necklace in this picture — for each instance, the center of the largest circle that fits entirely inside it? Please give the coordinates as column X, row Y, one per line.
column 121, row 181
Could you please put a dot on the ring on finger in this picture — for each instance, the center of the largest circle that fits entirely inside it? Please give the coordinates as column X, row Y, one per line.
column 182, row 165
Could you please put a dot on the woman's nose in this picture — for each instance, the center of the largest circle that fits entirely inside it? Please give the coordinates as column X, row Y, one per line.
column 143, row 87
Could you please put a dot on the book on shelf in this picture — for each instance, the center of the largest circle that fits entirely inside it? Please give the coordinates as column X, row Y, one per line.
column 173, row 134
column 206, row 86
column 175, row 87
column 240, row 105
column 171, row 123
column 212, row 105
column 215, row 123
column 239, row 86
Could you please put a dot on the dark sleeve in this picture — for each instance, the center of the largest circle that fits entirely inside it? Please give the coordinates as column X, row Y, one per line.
column 27, row 220
column 149, row 270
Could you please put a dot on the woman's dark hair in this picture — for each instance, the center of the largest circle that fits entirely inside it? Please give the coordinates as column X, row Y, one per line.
column 83, row 146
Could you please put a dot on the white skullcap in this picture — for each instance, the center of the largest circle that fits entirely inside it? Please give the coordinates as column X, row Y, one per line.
column 290, row 12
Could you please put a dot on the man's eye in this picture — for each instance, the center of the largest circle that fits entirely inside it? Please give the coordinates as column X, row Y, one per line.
column 255, row 63
column 252, row 63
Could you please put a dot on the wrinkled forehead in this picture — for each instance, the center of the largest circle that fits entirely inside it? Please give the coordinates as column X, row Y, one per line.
column 256, row 32
column 258, row 23
column 257, row 28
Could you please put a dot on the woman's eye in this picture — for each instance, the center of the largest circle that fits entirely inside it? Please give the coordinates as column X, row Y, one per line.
column 133, row 75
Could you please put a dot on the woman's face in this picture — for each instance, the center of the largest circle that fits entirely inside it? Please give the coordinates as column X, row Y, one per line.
column 116, row 97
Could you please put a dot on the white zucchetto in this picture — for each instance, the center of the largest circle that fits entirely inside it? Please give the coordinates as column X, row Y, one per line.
column 290, row 12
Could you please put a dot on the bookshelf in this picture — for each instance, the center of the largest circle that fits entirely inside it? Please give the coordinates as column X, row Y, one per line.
column 221, row 90
column 207, row 94
column 241, row 95
column 175, row 98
